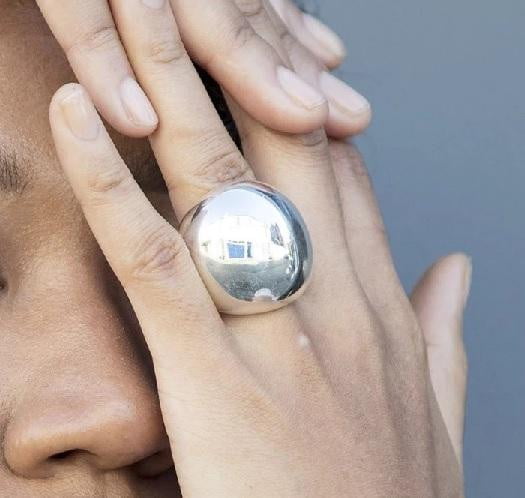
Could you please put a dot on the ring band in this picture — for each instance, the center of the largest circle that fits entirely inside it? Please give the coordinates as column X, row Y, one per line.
column 251, row 247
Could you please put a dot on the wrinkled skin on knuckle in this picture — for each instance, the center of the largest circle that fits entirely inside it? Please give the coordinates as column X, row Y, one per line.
column 346, row 155
column 358, row 166
column 103, row 186
column 312, row 144
column 287, row 40
column 216, row 162
column 165, row 48
column 157, row 256
column 306, row 150
column 239, row 36
column 103, row 38
column 251, row 8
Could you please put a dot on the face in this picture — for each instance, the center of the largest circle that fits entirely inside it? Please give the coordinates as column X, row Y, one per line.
column 79, row 415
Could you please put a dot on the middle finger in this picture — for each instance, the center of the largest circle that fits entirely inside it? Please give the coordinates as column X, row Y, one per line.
column 193, row 148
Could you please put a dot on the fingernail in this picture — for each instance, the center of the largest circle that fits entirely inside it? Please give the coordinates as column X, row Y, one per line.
column 467, row 284
column 325, row 36
column 154, row 4
column 298, row 90
column 137, row 106
column 342, row 95
column 80, row 115
column 456, row 285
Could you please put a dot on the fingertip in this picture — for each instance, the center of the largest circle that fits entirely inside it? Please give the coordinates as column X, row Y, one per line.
column 455, row 267
column 142, row 120
column 350, row 113
column 308, row 109
column 120, row 122
column 64, row 92
column 439, row 300
column 440, row 297
column 72, row 108
column 344, row 125
column 325, row 43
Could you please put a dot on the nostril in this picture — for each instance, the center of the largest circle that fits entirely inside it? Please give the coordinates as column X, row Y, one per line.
column 63, row 455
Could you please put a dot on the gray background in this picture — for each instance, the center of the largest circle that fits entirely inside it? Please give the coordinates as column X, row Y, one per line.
column 446, row 152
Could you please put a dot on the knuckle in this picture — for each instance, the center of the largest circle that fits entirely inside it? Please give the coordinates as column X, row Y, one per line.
column 156, row 257
column 287, row 40
column 98, row 39
column 242, row 35
column 221, row 166
column 216, row 162
column 357, row 165
column 251, row 8
column 346, row 157
column 105, row 184
column 307, row 151
column 312, row 148
column 315, row 142
column 165, row 50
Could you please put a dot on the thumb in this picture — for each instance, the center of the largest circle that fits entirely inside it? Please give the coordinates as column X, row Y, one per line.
column 439, row 301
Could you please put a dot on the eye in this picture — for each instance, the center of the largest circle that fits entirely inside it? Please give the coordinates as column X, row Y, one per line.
column 3, row 284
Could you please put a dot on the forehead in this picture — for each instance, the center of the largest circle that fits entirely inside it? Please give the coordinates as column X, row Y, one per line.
column 32, row 68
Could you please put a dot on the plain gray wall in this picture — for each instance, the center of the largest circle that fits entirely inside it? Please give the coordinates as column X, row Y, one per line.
column 446, row 151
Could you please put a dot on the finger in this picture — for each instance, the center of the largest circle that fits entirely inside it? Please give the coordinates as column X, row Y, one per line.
column 349, row 112
column 146, row 253
column 439, row 302
column 300, row 167
column 197, row 369
column 193, row 148
column 366, row 235
column 194, row 151
column 86, row 31
column 316, row 36
column 222, row 41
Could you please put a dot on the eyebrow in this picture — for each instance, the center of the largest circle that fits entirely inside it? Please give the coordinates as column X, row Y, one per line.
column 12, row 176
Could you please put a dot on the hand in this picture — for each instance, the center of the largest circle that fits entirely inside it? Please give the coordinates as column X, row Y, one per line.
column 99, row 38
column 328, row 397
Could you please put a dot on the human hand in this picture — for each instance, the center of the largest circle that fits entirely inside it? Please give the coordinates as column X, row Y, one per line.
column 99, row 38
column 330, row 396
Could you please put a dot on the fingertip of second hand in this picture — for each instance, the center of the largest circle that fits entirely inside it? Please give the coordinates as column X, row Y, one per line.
column 138, row 108
column 78, row 112
column 299, row 91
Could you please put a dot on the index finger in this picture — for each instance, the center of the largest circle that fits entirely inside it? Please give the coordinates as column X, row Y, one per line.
column 86, row 31
column 145, row 252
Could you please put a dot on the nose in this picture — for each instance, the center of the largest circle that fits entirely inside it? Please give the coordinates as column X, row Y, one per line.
column 88, row 399
column 107, row 428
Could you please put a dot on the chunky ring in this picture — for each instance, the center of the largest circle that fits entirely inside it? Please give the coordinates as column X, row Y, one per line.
column 251, row 247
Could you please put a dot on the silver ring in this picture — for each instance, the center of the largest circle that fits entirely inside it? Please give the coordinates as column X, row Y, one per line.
column 251, row 247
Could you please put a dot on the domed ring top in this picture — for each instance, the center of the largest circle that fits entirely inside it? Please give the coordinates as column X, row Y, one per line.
column 251, row 247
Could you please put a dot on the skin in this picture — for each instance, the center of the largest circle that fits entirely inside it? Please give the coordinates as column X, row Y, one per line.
column 225, row 41
column 79, row 382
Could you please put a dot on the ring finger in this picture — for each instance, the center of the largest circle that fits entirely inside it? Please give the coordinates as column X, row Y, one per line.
column 300, row 167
